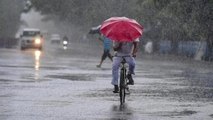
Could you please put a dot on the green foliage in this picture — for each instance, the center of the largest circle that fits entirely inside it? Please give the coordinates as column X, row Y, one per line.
column 162, row 19
column 9, row 18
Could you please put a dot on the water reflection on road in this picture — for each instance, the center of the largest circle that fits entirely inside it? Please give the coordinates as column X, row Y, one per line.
column 37, row 55
column 121, row 112
column 58, row 84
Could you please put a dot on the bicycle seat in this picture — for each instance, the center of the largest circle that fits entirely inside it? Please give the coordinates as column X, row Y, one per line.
column 123, row 60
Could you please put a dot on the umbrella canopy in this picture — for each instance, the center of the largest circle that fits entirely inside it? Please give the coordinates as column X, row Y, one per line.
column 121, row 29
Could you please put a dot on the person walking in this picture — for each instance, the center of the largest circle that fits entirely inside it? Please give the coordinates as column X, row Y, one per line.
column 107, row 43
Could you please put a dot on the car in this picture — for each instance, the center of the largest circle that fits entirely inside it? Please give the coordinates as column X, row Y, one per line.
column 55, row 39
column 31, row 38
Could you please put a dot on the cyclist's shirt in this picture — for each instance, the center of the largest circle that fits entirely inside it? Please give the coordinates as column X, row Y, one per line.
column 126, row 48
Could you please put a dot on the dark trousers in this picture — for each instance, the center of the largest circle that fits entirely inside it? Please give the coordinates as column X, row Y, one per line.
column 106, row 54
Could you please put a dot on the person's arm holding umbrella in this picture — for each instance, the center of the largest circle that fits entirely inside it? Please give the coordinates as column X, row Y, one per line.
column 100, row 38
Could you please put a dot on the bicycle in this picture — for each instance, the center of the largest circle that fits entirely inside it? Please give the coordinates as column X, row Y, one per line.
column 123, row 87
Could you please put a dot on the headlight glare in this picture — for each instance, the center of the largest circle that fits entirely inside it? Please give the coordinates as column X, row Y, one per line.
column 37, row 41
column 65, row 42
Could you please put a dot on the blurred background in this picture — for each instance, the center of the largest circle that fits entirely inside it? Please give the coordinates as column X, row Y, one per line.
column 171, row 27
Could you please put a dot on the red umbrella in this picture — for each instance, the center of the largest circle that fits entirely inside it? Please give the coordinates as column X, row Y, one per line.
column 121, row 29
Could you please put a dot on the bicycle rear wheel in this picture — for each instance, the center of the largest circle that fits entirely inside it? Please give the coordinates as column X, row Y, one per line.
column 122, row 92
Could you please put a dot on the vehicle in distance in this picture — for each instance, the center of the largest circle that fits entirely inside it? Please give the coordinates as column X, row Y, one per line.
column 31, row 38
column 55, row 39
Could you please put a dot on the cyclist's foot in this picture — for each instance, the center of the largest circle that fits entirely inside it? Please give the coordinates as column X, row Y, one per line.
column 131, row 81
column 98, row 66
column 116, row 89
column 127, row 91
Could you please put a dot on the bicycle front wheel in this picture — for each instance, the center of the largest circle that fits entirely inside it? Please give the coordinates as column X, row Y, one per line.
column 122, row 95
column 122, row 86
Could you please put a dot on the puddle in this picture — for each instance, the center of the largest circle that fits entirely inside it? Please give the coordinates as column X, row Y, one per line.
column 3, row 73
column 176, row 113
column 5, row 80
column 53, row 103
column 99, row 93
column 79, row 77
column 6, row 95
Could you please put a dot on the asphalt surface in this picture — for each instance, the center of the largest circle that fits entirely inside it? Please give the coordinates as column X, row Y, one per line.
column 57, row 84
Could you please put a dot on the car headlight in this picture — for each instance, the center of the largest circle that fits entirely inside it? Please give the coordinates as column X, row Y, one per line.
column 65, row 42
column 37, row 41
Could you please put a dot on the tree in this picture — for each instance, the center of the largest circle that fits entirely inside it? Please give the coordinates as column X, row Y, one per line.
column 10, row 17
column 174, row 20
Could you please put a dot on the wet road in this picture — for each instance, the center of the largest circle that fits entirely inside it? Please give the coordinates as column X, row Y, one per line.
column 65, row 85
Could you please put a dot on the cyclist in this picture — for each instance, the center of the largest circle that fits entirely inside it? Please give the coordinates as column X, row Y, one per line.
column 124, row 49
column 65, row 38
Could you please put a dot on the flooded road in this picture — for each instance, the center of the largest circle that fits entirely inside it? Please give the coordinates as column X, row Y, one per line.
column 57, row 84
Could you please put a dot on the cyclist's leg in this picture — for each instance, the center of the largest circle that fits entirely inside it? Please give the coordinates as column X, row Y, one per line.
column 131, row 62
column 115, row 70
